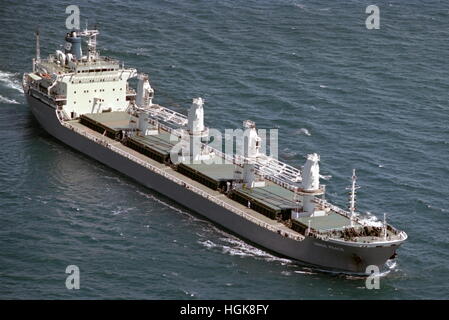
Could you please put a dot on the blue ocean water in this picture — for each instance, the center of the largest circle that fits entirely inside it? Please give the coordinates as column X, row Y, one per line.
column 375, row 100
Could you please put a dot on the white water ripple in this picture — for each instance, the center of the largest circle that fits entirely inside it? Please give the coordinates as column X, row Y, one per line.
column 304, row 131
column 237, row 247
column 7, row 100
column 10, row 80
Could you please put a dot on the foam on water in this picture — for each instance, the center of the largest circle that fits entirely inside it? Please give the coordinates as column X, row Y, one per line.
column 7, row 100
column 121, row 210
column 233, row 246
column 165, row 204
column 304, row 131
column 10, row 80
column 240, row 248
column 289, row 154
column 304, row 272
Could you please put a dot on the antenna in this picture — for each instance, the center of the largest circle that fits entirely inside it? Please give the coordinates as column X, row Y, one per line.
column 352, row 194
column 91, row 42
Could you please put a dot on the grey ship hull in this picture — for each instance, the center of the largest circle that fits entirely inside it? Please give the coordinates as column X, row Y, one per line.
column 310, row 250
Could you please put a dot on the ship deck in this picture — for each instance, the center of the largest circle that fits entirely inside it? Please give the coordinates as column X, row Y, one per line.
column 331, row 221
column 271, row 195
column 216, row 168
column 159, row 142
column 171, row 171
column 112, row 120
column 269, row 203
column 215, row 173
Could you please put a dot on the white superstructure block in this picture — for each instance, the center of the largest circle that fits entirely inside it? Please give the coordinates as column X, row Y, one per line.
column 310, row 182
column 252, row 141
column 144, row 95
column 311, row 173
column 61, row 57
column 195, row 117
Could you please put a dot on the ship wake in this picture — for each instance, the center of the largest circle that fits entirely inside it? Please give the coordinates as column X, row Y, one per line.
column 233, row 246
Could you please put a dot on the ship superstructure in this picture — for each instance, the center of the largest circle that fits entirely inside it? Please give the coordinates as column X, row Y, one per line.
column 85, row 100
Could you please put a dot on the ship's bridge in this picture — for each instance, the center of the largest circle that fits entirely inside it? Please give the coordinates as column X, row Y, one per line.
column 103, row 64
column 52, row 65
column 83, row 83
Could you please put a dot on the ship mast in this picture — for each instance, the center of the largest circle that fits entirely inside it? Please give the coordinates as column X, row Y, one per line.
column 352, row 195
column 37, row 59
column 91, row 43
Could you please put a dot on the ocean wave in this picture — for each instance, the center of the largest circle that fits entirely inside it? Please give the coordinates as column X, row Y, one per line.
column 389, row 266
column 304, row 131
column 305, row 271
column 208, row 244
column 289, row 154
column 299, row 5
column 237, row 247
column 121, row 210
column 7, row 100
column 149, row 196
column 229, row 244
column 432, row 207
column 10, row 80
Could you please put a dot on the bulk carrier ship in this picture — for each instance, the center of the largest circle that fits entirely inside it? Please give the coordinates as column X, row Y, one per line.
column 87, row 102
